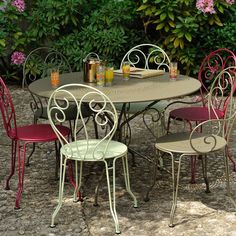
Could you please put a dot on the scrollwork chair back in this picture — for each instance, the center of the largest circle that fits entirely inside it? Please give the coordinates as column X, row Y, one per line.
column 147, row 56
column 105, row 115
column 211, row 66
column 8, row 112
column 223, row 86
column 37, row 65
column 39, row 61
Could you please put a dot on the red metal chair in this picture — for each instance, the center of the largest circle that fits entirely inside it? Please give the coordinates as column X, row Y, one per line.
column 212, row 64
column 21, row 136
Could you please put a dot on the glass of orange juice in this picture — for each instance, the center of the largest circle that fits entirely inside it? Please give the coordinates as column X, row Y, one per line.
column 54, row 77
column 109, row 75
column 173, row 71
column 126, row 70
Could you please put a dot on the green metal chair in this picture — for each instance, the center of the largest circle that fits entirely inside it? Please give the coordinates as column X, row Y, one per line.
column 208, row 137
column 84, row 148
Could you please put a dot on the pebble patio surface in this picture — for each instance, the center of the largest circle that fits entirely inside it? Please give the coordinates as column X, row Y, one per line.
column 197, row 214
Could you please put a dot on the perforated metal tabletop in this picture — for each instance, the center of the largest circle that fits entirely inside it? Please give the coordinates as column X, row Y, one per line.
column 134, row 90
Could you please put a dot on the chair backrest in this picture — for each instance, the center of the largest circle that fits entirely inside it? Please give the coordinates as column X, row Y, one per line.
column 39, row 62
column 224, row 81
column 105, row 116
column 211, row 66
column 147, row 56
column 7, row 110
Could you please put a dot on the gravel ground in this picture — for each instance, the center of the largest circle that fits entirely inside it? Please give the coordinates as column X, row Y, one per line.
column 198, row 213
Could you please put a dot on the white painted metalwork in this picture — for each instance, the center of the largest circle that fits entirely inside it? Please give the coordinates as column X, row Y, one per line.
column 147, row 56
column 84, row 147
column 208, row 137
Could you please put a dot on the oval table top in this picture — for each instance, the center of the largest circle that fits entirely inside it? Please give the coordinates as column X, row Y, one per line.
column 133, row 90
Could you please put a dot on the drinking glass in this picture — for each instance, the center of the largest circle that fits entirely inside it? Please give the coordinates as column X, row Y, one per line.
column 100, row 75
column 54, row 74
column 126, row 70
column 173, row 70
column 109, row 75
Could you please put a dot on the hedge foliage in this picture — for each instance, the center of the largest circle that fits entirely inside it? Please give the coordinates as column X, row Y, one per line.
column 111, row 27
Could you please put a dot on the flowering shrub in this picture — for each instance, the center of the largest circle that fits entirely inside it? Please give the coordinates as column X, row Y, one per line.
column 207, row 6
column 230, row 2
column 19, row 4
column 178, row 26
column 17, row 58
column 185, row 29
column 12, row 38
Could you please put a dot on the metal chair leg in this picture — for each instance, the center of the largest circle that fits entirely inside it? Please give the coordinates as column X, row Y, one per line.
column 28, row 159
column 175, row 180
column 13, row 161
column 61, row 189
column 95, row 128
column 230, row 156
column 57, row 148
column 21, row 174
column 78, row 181
column 146, row 198
column 204, row 171
column 133, row 164
column 112, row 199
column 97, row 188
column 127, row 181
column 168, row 125
column 193, row 161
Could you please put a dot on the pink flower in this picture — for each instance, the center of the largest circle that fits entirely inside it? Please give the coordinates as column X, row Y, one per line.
column 230, row 2
column 206, row 6
column 19, row 4
column 17, row 58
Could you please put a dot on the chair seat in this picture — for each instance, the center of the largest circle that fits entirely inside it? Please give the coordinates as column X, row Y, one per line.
column 115, row 149
column 40, row 132
column 180, row 143
column 70, row 113
column 194, row 114
column 139, row 106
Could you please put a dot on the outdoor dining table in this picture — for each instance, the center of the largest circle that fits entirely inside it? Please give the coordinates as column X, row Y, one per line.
column 134, row 90
column 150, row 90
column 153, row 90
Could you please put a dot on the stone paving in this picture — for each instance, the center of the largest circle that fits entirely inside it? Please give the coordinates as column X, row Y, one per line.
column 198, row 213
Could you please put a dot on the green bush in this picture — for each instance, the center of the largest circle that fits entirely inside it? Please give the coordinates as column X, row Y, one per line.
column 111, row 27
column 181, row 29
column 219, row 37
column 78, row 27
column 109, row 31
column 12, row 38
